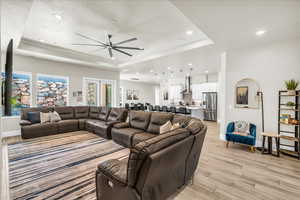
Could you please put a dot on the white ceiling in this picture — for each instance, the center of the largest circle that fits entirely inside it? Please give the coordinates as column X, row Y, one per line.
column 160, row 27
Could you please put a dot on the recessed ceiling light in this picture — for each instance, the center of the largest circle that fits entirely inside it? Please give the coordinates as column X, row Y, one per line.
column 151, row 71
column 169, row 68
column 190, row 64
column 113, row 58
column 260, row 32
column 42, row 40
column 206, row 71
column 57, row 16
column 189, row 32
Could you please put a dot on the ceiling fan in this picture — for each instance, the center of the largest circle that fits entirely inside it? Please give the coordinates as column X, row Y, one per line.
column 109, row 45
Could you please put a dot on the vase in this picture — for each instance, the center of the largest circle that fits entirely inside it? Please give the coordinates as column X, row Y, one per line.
column 291, row 92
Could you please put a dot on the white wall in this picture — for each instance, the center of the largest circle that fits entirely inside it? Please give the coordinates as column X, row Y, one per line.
column 73, row 71
column 269, row 65
column 146, row 91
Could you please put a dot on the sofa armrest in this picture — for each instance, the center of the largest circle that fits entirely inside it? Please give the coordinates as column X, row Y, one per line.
column 121, row 125
column 112, row 123
column 25, row 122
column 115, row 170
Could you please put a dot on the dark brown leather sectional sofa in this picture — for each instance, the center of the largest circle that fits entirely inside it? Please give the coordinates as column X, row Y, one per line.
column 158, row 164
column 98, row 120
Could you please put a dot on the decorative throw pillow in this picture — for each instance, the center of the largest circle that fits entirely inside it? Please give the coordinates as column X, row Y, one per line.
column 165, row 128
column 34, row 117
column 54, row 117
column 175, row 126
column 242, row 127
column 45, row 117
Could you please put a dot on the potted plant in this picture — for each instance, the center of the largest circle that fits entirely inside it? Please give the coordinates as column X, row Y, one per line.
column 290, row 104
column 291, row 86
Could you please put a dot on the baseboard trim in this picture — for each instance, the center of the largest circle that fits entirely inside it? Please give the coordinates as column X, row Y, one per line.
column 11, row 133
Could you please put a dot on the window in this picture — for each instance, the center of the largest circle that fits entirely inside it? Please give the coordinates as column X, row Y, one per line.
column 21, row 91
column 98, row 92
column 52, row 90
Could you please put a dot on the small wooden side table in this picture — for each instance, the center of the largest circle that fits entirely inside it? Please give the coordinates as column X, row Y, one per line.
column 270, row 136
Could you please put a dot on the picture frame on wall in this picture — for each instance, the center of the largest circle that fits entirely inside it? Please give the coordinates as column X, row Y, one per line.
column 135, row 95
column 242, row 95
column 129, row 94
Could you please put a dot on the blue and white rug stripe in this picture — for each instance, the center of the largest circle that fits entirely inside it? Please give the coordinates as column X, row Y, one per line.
column 59, row 166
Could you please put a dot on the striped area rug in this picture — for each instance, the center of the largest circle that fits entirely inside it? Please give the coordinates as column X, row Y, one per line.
column 59, row 166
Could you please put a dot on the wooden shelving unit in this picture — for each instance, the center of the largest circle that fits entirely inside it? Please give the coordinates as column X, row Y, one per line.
column 288, row 135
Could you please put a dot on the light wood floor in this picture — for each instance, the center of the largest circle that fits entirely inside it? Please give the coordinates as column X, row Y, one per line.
column 233, row 173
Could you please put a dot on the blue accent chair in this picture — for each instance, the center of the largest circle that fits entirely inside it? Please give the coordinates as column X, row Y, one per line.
column 248, row 140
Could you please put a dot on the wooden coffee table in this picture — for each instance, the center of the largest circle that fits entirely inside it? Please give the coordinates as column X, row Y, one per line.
column 270, row 137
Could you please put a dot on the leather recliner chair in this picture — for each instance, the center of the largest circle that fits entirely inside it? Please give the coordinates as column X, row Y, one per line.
column 157, row 167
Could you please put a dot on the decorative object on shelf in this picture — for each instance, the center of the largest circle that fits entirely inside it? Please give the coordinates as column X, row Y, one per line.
column 290, row 104
column 110, row 45
column 291, row 86
column 284, row 118
column 246, row 94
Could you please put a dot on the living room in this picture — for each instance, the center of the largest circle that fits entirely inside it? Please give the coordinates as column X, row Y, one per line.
column 149, row 100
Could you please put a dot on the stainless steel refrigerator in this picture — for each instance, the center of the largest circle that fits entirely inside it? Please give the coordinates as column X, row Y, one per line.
column 210, row 105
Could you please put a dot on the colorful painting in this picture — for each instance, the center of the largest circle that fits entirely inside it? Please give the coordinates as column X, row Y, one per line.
column 21, row 92
column 92, row 93
column 52, row 90
column 242, row 95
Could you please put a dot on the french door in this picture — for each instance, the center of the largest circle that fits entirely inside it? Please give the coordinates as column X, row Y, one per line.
column 99, row 92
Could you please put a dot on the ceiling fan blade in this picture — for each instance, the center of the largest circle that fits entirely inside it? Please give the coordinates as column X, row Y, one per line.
column 89, row 38
column 110, row 52
column 125, row 41
column 95, row 45
column 132, row 48
column 128, row 54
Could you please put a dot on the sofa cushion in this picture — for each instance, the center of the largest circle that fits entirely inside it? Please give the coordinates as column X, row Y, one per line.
column 139, row 137
column 195, row 125
column 139, row 119
column 68, row 125
column 90, row 124
column 102, row 129
column 117, row 114
column 81, row 123
column 65, row 112
column 94, row 112
column 34, row 117
column 81, row 112
column 157, row 120
column 124, row 136
column 181, row 119
column 103, row 114
column 39, row 130
column 24, row 111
